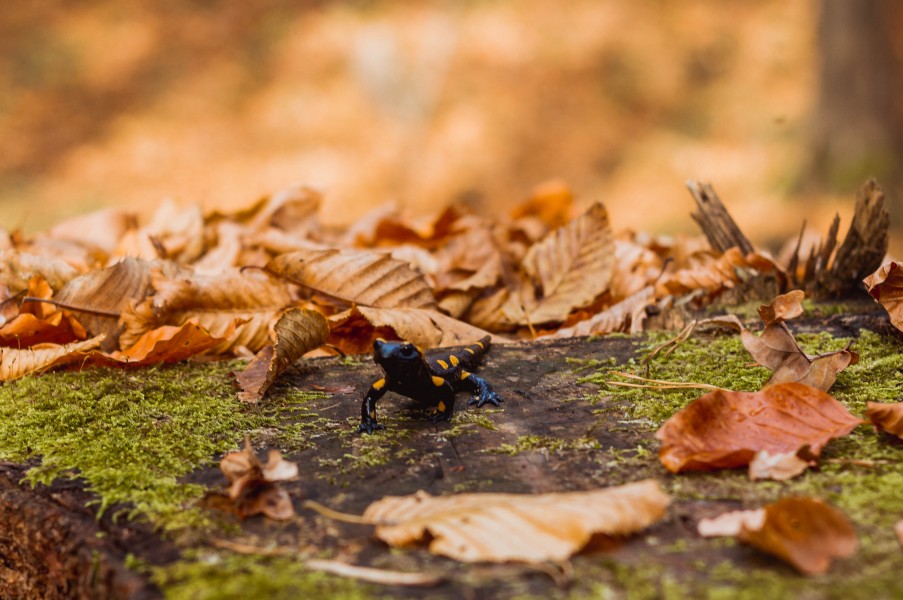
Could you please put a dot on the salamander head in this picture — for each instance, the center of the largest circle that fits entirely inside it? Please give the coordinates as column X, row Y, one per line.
column 397, row 356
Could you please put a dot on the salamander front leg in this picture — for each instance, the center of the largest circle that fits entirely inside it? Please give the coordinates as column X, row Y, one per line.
column 482, row 391
column 368, row 407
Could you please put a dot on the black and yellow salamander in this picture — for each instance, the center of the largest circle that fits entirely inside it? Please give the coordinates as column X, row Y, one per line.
column 430, row 380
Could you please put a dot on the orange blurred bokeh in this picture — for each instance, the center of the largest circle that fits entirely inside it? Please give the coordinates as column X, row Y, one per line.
column 421, row 103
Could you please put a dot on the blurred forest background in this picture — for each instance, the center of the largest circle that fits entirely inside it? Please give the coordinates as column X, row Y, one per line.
column 786, row 107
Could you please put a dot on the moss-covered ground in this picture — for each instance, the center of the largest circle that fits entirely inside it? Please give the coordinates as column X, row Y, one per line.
column 146, row 442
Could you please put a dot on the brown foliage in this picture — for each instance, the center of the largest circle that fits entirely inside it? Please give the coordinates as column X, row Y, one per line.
column 725, row 429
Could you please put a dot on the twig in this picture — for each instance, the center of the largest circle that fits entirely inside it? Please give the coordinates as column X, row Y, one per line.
column 93, row 311
column 659, row 384
column 334, row 514
column 371, row 575
column 673, row 342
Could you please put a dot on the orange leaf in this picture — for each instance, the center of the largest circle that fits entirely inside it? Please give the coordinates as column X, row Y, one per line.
column 886, row 286
column 726, row 429
column 886, row 417
column 16, row 363
column 169, row 343
column 804, row 532
column 298, row 331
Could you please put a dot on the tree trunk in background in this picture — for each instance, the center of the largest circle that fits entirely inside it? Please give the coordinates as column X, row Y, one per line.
column 858, row 129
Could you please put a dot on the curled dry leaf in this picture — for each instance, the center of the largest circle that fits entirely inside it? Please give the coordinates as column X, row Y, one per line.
column 804, row 532
column 726, row 429
column 169, row 343
column 298, row 331
column 778, row 350
column 779, row 466
column 886, row 286
column 516, row 527
column 354, row 330
column 712, row 273
column 361, row 277
column 254, row 486
column 216, row 303
column 567, row 269
column 16, row 363
column 886, row 417
column 40, row 322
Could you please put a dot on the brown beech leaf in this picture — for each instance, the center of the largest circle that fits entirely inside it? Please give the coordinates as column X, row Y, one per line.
column 725, row 429
column 298, row 331
column 354, row 330
column 779, row 466
column 567, row 269
column 169, row 343
column 362, row 277
column 16, row 363
column 40, row 322
column 516, row 527
column 102, row 228
column 253, row 485
column 216, row 303
column 17, row 269
column 712, row 273
column 99, row 297
column 776, row 348
column 886, row 416
column 628, row 314
column 886, row 286
column 806, row 533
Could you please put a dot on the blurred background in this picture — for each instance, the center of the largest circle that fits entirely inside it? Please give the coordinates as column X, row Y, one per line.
column 785, row 107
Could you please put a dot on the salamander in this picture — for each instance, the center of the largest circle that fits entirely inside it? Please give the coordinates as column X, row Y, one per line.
column 430, row 380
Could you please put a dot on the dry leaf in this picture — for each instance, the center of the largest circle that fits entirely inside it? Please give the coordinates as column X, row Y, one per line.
column 886, row 286
column 169, row 343
column 778, row 350
column 567, row 269
column 711, row 273
column 254, row 486
column 898, row 529
column 354, row 330
column 365, row 278
column 516, row 527
column 213, row 302
column 886, row 417
column 99, row 297
column 779, row 466
column 102, row 228
column 16, row 363
column 40, row 322
column 18, row 268
column 298, row 331
column 726, row 429
column 730, row 524
column 804, row 532
column 626, row 314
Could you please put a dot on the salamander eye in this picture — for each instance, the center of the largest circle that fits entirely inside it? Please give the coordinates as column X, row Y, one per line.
column 407, row 351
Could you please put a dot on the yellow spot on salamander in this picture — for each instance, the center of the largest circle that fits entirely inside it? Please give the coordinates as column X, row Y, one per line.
column 442, row 363
column 480, row 344
column 465, row 374
column 372, row 414
column 378, row 385
column 454, row 360
column 469, row 350
column 438, row 381
column 441, row 406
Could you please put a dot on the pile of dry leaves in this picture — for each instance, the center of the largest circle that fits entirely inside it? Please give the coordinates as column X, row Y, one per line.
column 272, row 282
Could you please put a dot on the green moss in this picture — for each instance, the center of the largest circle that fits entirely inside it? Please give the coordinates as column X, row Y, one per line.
column 129, row 434
column 222, row 575
column 532, row 443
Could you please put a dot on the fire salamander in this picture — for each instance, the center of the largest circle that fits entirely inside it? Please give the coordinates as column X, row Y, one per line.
column 428, row 380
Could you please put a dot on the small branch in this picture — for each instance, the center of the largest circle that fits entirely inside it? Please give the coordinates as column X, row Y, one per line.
column 658, row 384
column 334, row 514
